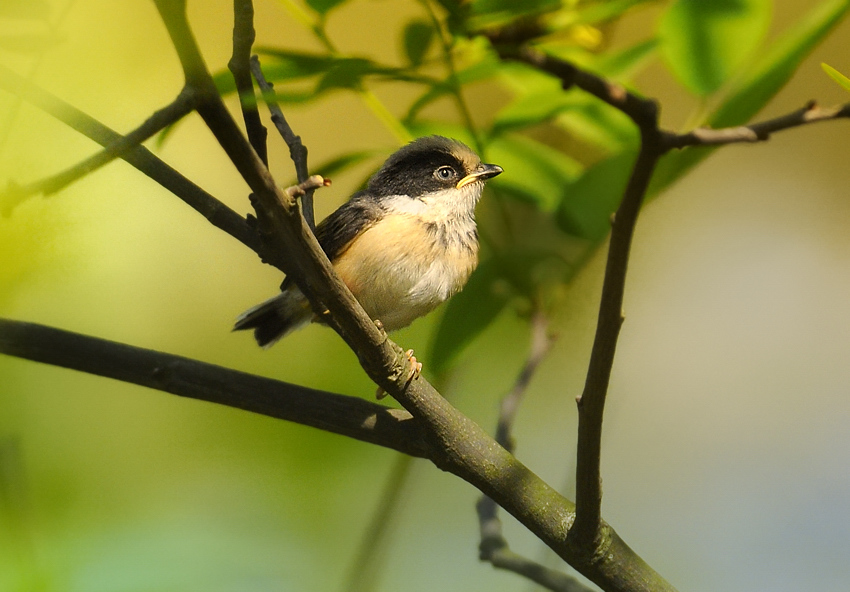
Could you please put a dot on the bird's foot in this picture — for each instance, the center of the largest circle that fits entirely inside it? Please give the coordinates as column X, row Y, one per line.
column 415, row 366
column 415, row 371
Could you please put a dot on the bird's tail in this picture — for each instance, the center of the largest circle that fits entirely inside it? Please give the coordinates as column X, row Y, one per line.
column 276, row 318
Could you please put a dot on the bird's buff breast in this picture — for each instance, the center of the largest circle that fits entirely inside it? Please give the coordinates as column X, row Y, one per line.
column 400, row 269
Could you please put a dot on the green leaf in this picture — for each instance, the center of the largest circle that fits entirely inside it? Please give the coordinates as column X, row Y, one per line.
column 291, row 65
column 482, row 70
column 705, row 42
column 468, row 313
column 625, row 63
column 346, row 161
column 323, row 6
column 601, row 12
column 347, row 73
column 837, row 76
column 589, row 202
column 534, row 172
column 757, row 86
column 417, row 40
column 773, row 71
column 598, row 124
column 531, row 109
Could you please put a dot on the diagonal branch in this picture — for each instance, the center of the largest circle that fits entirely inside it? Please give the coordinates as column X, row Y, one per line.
column 179, row 108
column 484, row 464
column 640, row 110
column 218, row 214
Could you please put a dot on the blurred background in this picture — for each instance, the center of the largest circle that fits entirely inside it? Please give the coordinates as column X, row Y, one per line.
column 726, row 448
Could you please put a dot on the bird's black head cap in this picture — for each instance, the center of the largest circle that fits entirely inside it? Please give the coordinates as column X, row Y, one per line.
column 426, row 165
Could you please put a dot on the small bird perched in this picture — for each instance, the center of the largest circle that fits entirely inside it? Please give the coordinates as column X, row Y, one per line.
column 402, row 246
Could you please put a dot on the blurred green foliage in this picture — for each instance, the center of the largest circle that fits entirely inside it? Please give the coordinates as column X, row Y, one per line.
column 567, row 158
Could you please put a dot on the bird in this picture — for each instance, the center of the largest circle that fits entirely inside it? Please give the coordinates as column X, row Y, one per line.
column 403, row 245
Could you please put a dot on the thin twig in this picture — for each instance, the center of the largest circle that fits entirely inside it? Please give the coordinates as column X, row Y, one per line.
column 541, row 343
column 218, row 214
column 371, row 553
column 494, row 547
column 297, row 150
column 243, row 40
column 757, row 132
column 176, row 110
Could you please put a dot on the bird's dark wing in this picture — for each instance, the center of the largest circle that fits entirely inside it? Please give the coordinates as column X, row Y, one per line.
column 336, row 232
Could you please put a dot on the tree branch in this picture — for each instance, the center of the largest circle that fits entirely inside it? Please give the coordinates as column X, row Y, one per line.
column 640, row 110
column 179, row 108
column 243, row 40
column 588, row 529
column 474, row 456
column 218, row 214
column 297, row 150
column 338, row 414
column 757, row 132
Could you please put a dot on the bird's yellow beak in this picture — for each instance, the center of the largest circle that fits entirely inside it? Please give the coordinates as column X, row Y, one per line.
column 482, row 173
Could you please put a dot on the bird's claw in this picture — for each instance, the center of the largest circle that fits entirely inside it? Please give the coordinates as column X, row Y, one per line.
column 415, row 366
column 415, row 372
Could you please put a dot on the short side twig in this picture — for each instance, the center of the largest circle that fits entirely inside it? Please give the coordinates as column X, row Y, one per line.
column 757, row 132
column 243, row 40
column 297, row 150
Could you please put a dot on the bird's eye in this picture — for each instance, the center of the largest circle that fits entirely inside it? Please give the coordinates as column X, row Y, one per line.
column 444, row 173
